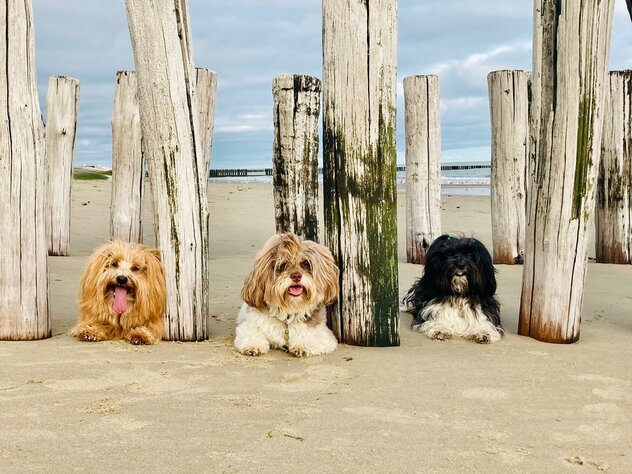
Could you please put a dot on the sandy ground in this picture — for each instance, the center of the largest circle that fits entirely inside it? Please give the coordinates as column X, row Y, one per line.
column 515, row 406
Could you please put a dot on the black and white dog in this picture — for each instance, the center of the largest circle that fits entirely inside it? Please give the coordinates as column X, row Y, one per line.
column 456, row 294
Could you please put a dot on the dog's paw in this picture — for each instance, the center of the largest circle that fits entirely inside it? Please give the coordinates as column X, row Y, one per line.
column 299, row 351
column 441, row 336
column 252, row 351
column 89, row 336
column 138, row 340
column 481, row 338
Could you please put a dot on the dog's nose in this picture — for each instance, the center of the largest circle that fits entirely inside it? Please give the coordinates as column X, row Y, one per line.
column 296, row 276
column 460, row 263
column 121, row 279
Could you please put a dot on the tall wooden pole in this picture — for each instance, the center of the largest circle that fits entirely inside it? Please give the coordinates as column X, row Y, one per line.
column 423, row 165
column 163, row 56
column 23, row 272
column 570, row 65
column 62, row 109
column 360, row 192
column 613, row 236
column 509, row 112
column 295, row 157
column 128, row 165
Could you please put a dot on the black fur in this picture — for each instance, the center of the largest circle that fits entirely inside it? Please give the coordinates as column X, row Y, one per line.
column 448, row 256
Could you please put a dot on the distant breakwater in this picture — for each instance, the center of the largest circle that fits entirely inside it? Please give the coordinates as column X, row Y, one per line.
column 247, row 172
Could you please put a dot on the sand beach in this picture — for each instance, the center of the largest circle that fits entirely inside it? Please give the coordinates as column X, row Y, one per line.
column 435, row 407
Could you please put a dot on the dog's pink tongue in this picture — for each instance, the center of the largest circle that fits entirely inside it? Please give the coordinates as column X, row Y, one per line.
column 296, row 290
column 120, row 300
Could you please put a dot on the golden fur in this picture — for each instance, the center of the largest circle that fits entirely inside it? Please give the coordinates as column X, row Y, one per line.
column 285, row 295
column 140, row 269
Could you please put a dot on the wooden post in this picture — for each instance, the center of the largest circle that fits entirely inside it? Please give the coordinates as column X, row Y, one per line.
column 163, row 56
column 62, row 109
column 360, row 189
column 423, row 165
column 613, row 236
column 128, row 166
column 509, row 112
column 570, row 65
column 23, row 273
column 295, row 157
column 206, row 83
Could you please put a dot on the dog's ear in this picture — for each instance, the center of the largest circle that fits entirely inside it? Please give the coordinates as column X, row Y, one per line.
column 485, row 266
column 97, row 262
column 261, row 276
column 155, row 252
column 324, row 270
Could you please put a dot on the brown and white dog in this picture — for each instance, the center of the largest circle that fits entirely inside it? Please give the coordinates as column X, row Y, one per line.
column 122, row 295
column 285, row 298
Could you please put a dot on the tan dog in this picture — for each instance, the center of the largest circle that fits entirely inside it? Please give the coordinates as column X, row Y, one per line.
column 122, row 295
column 285, row 296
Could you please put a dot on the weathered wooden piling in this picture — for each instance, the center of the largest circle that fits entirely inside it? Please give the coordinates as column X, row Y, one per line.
column 62, row 109
column 423, row 165
column 23, row 250
column 360, row 191
column 509, row 112
column 570, row 65
column 163, row 55
column 128, row 165
column 295, row 154
column 613, row 236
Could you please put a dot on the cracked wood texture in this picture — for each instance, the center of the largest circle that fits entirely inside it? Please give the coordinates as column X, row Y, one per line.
column 172, row 146
column 509, row 112
column 570, row 66
column 295, row 158
column 24, row 313
column 360, row 192
column 423, row 165
column 206, row 89
column 62, row 109
column 613, row 237
column 128, row 165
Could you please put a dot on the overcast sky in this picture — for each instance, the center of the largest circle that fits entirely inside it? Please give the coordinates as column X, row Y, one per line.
column 248, row 42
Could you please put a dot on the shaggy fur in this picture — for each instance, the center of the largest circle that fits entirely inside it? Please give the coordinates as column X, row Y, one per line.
column 285, row 296
column 456, row 294
column 122, row 295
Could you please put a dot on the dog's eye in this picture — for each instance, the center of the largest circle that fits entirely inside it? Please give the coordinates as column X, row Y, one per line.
column 135, row 268
column 114, row 265
column 305, row 265
column 281, row 267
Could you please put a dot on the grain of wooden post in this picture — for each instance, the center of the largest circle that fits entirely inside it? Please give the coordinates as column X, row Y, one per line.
column 128, row 167
column 206, row 88
column 163, row 56
column 62, row 109
column 23, row 273
column 613, row 237
column 509, row 112
column 423, row 165
column 295, row 154
column 570, row 65
column 360, row 190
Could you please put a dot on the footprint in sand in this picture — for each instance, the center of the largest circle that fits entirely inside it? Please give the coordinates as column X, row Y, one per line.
column 316, row 378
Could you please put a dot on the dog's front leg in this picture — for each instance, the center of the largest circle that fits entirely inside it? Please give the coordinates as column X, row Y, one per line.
column 140, row 336
column 249, row 340
column 93, row 332
column 305, row 339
